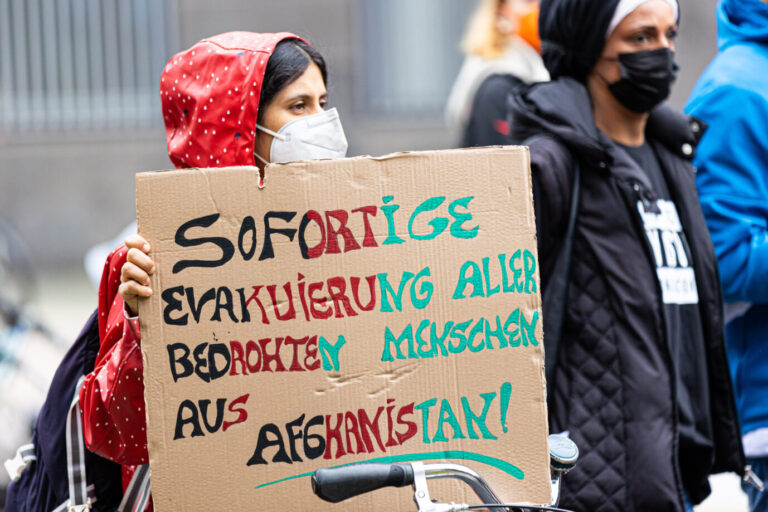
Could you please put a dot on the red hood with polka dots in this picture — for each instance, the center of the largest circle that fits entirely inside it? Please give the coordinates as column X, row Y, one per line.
column 210, row 96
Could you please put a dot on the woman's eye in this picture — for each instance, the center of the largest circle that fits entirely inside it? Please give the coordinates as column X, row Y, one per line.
column 672, row 35
column 298, row 107
column 642, row 37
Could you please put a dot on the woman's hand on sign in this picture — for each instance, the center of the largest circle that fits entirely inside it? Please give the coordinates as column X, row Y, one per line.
column 134, row 276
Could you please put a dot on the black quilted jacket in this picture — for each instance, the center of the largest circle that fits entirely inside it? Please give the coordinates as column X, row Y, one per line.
column 614, row 384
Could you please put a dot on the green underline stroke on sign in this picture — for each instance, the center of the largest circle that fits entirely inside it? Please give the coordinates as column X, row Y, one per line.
column 504, row 466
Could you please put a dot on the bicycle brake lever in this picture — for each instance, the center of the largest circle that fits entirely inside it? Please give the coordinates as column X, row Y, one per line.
column 421, row 493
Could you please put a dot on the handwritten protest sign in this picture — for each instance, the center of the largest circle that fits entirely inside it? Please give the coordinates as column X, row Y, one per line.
column 365, row 309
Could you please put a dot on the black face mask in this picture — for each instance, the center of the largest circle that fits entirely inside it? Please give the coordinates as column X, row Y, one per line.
column 646, row 78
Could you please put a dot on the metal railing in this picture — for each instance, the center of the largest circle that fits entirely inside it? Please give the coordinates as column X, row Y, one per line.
column 82, row 65
column 411, row 55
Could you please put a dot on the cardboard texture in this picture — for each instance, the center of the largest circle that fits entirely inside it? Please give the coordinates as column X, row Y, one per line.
column 364, row 309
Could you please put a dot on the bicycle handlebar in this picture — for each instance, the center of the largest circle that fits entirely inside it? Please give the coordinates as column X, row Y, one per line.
column 339, row 484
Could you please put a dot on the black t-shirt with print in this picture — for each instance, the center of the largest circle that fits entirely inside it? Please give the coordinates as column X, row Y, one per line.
column 676, row 276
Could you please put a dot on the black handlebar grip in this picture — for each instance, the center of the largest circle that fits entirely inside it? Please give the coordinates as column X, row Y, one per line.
column 338, row 484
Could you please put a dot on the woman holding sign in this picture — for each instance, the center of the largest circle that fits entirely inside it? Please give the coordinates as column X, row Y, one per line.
column 639, row 376
column 238, row 98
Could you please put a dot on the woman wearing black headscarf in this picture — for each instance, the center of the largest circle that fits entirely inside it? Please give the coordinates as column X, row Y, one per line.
column 636, row 366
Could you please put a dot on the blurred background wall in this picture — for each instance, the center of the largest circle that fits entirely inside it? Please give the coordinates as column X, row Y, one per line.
column 79, row 112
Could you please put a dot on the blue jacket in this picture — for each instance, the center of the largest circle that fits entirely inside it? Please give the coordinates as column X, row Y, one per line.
column 732, row 97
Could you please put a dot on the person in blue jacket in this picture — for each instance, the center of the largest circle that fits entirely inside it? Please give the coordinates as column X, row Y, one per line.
column 731, row 96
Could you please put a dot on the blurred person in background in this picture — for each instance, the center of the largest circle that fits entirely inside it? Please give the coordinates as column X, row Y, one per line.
column 238, row 98
column 640, row 379
column 732, row 98
column 502, row 51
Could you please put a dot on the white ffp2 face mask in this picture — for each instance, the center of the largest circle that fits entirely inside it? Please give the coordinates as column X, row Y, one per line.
column 308, row 138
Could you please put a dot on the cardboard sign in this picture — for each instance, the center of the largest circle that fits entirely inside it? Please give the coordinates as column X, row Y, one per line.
column 364, row 309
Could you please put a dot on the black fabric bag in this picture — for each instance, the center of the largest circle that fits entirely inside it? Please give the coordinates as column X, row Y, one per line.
column 44, row 485
column 555, row 297
column 555, row 294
